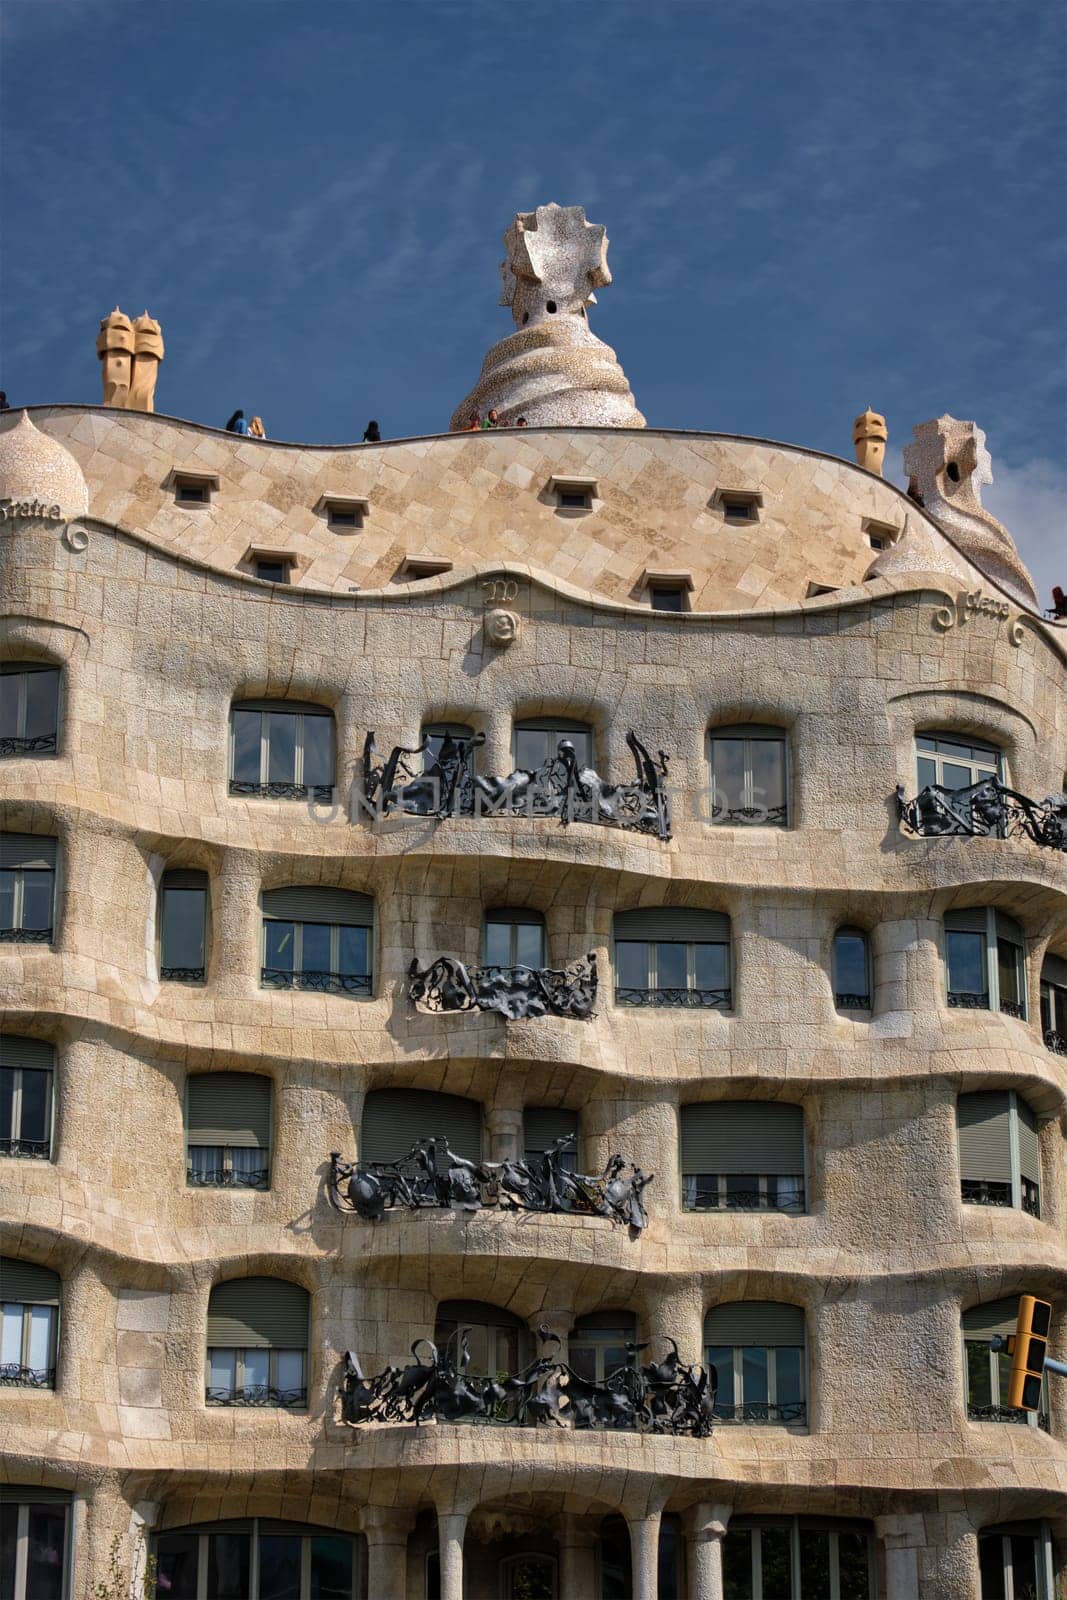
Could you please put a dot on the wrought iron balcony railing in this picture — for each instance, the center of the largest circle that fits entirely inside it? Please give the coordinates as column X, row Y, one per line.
column 1013, row 1008
column 182, row 974
column 746, row 1200
column 984, row 1192
column 14, row 1376
column 791, row 1413
column 421, row 784
column 985, row 810
column 1004, row 1414
column 968, row 1000
column 513, row 992
column 750, row 816
column 228, row 1178
column 432, row 1176
column 25, row 936
column 27, row 744
column 702, row 999
column 259, row 1394
column 666, row 1396
column 321, row 793
column 852, row 1002
column 318, row 982
column 1056, row 1042
column 34, row 1149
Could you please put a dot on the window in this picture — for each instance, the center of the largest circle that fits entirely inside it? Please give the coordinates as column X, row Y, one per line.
column 27, row 888
column 742, row 1155
column 256, row 1559
column 26, row 1074
column 271, row 571
column 738, row 505
column 497, row 1340
column 671, row 956
column 1015, row 1562
column 757, row 1348
column 597, row 1344
column 1054, row 1004
column 396, row 1119
column 319, row 939
column 515, row 939
column 183, row 900
column 192, row 489
column 985, row 960
column 666, row 597
column 416, row 567
column 34, row 1542
column 749, row 779
column 798, row 1558
column 1000, row 1159
column 986, row 1370
column 955, row 762
column 344, row 513
column 282, row 750
column 880, row 535
column 542, row 1126
column 528, row 1577
column 29, row 1304
column 537, row 740
column 29, row 709
column 227, row 1130
column 573, row 494
column 852, row 970
column 257, row 1339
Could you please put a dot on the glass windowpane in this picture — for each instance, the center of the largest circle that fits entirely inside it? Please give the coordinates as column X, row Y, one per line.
column 954, row 776
column 497, row 944
column 529, row 945
column 927, row 771
column 222, row 1370
column 712, row 964
column 44, row 1554
column 850, row 964
column 991, row 1566
column 228, row 1563
column 36, row 899
column 205, row 1160
column 854, row 1566
column 290, row 1367
column 281, row 749
column 331, row 1568
column 353, row 951
column 814, row 1562
column 777, row 1558
column 247, row 1160
column 10, row 690
column 966, row 962
column 979, row 1375
column 1024, row 1571
column 737, row 1564
column 531, row 749
column 41, row 703
column 631, row 960
column 728, row 777
column 315, row 952
column 789, row 1374
column 40, row 1342
column 767, row 758
column 279, row 945
column 7, row 1103
column 182, row 943
column 246, row 736
column 11, row 1336
column 672, row 966
column 255, row 1369
column 33, row 1124
column 721, row 1357
column 1009, row 971
column 318, row 750
column 279, row 1566
column 176, row 1563
column 7, row 898
column 755, row 1388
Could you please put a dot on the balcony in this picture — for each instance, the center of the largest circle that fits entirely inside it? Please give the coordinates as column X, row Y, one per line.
column 259, row 1394
column 984, row 810
column 320, row 793
column 317, row 982
column 514, row 993
column 789, row 1413
column 698, row 999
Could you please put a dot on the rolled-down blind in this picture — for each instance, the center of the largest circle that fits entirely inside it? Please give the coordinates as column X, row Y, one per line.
column 756, row 1322
column 970, row 920
column 282, row 706
column 393, row 1119
column 258, row 1313
column 748, row 730
column 541, row 1125
column 229, row 1108
column 27, row 1283
column 612, row 1324
column 478, row 1314
column 995, row 1316
column 682, row 923
column 516, row 917
column 18, row 1052
column 984, row 1123
column 551, row 725
column 1029, row 1150
column 755, row 1136
column 1054, row 970
column 1008, row 928
column 313, row 903
column 32, row 1494
column 185, row 878
column 27, row 850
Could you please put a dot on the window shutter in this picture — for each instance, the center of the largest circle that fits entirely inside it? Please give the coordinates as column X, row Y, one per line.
column 393, row 1119
column 755, row 1322
column 516, row 917
column 313, row 903
column 620, row 1325
column 684, row 924
column 541, row 1125
column 1054, row 970
column 27, row 1283
column 995, row 1316
column 33, row 1494
column 742, row 1136
column 1008, row 928
column 477, row 1314
column 748, row 730
column 27, row 850
column 971, row 920
column 229, row 1108
column 984, row 1122
column 184, row 878
column 552, row 725
column 258, row 1313
column 283, row 706
column 18, row 1052
column 1029, row 1150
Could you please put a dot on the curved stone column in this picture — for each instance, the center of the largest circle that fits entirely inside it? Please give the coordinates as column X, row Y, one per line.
column 705, row 1527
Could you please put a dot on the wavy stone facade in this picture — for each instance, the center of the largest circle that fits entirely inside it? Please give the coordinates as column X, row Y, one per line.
column 150, row 610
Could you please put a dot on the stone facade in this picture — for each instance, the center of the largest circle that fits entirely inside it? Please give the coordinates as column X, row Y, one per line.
column 151, row 611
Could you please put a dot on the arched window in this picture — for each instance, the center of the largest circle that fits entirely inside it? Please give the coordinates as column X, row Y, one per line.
column 29, row 709
column 183, row 902
column 852, row 970
column 757, row 1348
column 257, row 1342
column 318, row 938
column 29, row 1332
column 27, row 888
column 256, row 1559
column 34, row 1542
column 749, row 771
column 228, row 1130
column 1000, row 1158
column 986, row 961
column 542, row 1126
column 955, row 761
column 497, row 1339
column 597, row 1344
column 798, row 1558
column 27, row 1072
column 282, row 750
column 1015, row 1562
column 1054, row 1004
column 672, row 956
column 434, row 735
column 528, row 1577
column 396, row 1119
column 986, row 1370
column 742, row 1155
column 536, row 740
column 515, row 938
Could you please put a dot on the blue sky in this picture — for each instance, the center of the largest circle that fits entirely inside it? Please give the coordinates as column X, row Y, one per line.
column 812, row 204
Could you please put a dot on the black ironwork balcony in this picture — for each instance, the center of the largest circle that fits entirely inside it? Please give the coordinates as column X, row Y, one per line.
column 431, row 1175
column 745, row 1200
column 513, row 992
column 34, row 1149
column 1055, row 1041
column 258, row 1394
column 182, row 974
column 1031, row 1198
column 984, row 1192
column 968, row 1000
column 321, row 793
column 317, row 982
column 852, row 1002
column 985, row 810
column 446, row 785
column 27, row 744
column 705, row 999
column 25, row 936
column 791, row 1413
column 1004, row 1414
column 14, row 1376
column 228, row 1178
column 1013, row 1008
column 750, row 816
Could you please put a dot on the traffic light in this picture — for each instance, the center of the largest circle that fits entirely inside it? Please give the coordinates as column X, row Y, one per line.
column 1028, row 1351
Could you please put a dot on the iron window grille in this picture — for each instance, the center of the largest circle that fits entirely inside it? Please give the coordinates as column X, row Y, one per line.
column 223, row 1166
column 35, row 1557
column 29, row 709
column 26, row 1112
column 985, row 962
column 27, row 896
column 280, row 754
column 662, row 972
column 733, row 1191
column 256, row 1377
column 749, row 774
column 28, row 1345
column 852, row 970
column 324, row 958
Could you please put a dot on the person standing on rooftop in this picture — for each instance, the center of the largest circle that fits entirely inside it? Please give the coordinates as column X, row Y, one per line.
column 372, row 434
column 491, row 420
column 237, row 423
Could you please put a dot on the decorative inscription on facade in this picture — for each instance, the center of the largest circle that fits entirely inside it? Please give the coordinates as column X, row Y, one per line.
column 974, row 603
column 29, row 510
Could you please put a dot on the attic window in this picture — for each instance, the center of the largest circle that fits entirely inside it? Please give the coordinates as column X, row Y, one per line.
column 880, row 535
column 272, row 570
column 423, row 567
column 821, row 588
column 344, row 513
column 573, row 494
column 192, row 488
column 738, row 505
column 667, row 591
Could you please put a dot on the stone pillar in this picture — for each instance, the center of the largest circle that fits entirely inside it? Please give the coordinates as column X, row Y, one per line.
column 577, row 1558
column 705, row 1527
column 451, row 1528
column 560, row 1319
column 644, row 1553
column 674, row 1310
column 505, row 1133
column 387, row 1529
column 929, row 1558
